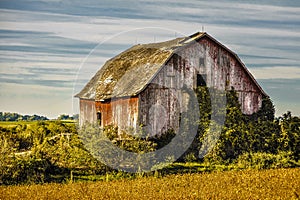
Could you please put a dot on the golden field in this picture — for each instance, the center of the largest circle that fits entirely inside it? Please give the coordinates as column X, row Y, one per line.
column 246, row 184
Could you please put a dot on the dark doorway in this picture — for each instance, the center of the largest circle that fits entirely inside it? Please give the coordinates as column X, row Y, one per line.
column 201, row 80
column 99, row 118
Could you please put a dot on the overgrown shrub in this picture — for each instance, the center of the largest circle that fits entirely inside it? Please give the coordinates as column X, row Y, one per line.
column 17, row 168
column 54, row 150
column 25, row 170
column 263, row 160
column 259, row 132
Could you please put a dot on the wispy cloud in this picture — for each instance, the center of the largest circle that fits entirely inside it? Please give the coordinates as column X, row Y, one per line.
column 53, row 46
column 276, row 72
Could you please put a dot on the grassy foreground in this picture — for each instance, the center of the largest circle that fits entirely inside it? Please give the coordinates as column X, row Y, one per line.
column 246, row 184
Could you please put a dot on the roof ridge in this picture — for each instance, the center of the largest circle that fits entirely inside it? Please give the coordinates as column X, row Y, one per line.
column 143, row 61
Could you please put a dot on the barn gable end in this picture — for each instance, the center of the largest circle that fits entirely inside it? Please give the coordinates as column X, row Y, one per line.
column 141, row 86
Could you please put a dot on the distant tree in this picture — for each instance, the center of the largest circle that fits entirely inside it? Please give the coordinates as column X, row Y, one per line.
column 7, row 116
column 75, row 116
column 68, row 117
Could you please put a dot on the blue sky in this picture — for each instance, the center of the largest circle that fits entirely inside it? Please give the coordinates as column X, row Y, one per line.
column 50, row 49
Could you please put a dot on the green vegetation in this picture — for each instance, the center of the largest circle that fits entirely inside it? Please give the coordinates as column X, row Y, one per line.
column 7, row 116
column 10, row 118
column 258, row 133
column 53, row 151
column 68, row 117
column 42, row 152
column 5, row 124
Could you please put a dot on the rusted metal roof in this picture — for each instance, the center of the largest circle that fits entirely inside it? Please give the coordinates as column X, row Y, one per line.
column 128, row 73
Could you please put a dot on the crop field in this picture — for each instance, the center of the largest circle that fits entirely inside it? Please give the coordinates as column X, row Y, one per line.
column 7, row 124
column 246, row 184
column 12, row 123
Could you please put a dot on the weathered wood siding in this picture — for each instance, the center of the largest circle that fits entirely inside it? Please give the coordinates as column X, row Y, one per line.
column 224, row 70
column 159, row 105
column 162, row 101
column 159, row 108
column 87, row 111
column 121, row 112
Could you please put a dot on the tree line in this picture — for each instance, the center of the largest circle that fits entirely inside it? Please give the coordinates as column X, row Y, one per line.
column 8, row 116
column 13, row 117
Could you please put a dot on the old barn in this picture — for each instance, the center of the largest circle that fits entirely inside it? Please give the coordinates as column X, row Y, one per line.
column 142, row 85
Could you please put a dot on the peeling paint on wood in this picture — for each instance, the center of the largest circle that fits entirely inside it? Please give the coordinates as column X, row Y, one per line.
column 87, row 111
column 122, row 112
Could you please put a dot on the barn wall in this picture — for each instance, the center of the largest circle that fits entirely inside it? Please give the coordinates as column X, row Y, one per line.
column 121, row 112
column 225, row 71
column 159, row 109
column 162, row 101
column 87, row 111
column 222, row 69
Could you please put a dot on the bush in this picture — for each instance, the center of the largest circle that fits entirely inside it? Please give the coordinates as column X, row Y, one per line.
column 24, row 170
column 266, row 160
column 190, row 157
column 53, row 149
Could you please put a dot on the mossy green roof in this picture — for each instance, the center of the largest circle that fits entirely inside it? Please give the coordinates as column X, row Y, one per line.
column 128, row 73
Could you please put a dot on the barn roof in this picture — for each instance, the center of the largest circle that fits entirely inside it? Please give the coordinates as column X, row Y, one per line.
column 128, row 73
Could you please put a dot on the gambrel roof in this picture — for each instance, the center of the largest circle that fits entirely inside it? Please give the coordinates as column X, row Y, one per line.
column 129, row 73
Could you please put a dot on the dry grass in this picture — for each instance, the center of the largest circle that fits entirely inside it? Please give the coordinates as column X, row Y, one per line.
column 247, row 184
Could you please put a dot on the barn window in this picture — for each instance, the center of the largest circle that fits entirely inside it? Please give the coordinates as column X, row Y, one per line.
column 201, row 80
column 170, row 71
column 227, row 80
column 201, row 61
column 202, row 65
column 99, row 118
